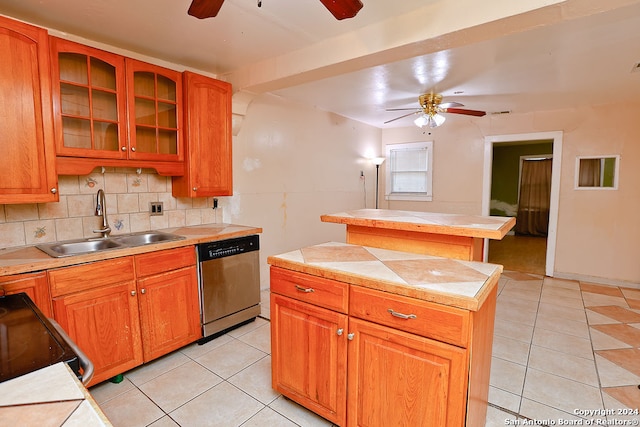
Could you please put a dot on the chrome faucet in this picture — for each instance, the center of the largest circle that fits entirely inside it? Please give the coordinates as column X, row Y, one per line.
column 101, row 210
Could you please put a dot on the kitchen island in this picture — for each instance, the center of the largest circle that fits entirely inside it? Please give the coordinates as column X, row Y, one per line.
column 371, row 336
column 448, row 235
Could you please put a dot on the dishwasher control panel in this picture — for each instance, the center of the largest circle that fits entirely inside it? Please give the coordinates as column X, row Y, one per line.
column 227, row 247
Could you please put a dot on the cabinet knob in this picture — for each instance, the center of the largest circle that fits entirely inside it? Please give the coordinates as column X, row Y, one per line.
column 54, row 190
column 340, row 331
column 195, row 188
column 133, row 149
column 133, row 293
column 123, row 148
column 350, row 336
column 143, row 291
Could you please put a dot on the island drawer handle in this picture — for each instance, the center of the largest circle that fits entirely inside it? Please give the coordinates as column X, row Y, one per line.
column 302, row 289
column 400, row 315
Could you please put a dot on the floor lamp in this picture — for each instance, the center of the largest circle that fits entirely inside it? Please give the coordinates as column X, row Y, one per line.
column 377, row 161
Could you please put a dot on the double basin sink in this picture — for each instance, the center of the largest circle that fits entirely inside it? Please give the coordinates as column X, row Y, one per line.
column 97, row 244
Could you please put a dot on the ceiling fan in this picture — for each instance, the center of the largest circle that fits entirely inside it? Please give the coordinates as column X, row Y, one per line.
column 341, row 9
column 431, row 107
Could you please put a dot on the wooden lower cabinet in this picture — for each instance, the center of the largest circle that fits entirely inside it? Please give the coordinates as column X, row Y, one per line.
column 428, row 370
column 104, row 323
column 169, row 311
column 33, row 284
column 309, row 356
column 126, row 311
column 401, row 379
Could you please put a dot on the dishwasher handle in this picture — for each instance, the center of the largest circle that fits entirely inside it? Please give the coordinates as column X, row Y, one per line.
column 85, row 363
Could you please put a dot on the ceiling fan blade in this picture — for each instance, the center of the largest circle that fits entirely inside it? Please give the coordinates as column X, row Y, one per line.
column 401, row 117
column 464, row 111
column 202, row 9
column 401, row 109
column 450, row 104
column 343, row 9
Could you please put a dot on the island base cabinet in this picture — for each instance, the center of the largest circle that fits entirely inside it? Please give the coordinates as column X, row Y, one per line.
column 309, row 356
column 104, row 323
column 401, row 379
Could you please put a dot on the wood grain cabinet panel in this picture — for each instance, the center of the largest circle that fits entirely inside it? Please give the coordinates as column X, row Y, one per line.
column 437, row 321
column 121, row 319
column 169, row 311
column 28, row 161
column 322, row 292
column 309, row 356
column 400, row 379
column 104, row 323
column 33, row 284
column 208, row 139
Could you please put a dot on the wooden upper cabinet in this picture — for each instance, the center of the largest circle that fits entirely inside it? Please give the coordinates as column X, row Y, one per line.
column 110, row 110
column 26, row 121
column 89, row 100
column 208, row 170
column 155, row 112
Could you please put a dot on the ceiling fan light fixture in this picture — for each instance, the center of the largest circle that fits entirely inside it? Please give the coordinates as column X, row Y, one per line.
column 430, row 120
column 437, row 120
column 422, row 120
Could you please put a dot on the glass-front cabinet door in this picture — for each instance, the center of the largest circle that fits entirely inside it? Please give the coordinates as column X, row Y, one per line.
column 89, row 101
column 155, row 112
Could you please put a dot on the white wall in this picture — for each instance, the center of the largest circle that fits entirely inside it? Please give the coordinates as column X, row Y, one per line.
column 293, row 164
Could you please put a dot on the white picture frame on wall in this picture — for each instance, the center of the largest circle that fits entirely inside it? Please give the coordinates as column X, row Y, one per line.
column 597, row 172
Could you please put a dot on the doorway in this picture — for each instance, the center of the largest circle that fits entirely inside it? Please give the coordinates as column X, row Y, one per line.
column 523, row 248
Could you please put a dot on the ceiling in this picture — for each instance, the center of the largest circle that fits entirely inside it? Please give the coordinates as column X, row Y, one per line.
column 497, row 56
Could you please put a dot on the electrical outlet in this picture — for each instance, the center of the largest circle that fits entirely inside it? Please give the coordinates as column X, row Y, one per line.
column 155, row 208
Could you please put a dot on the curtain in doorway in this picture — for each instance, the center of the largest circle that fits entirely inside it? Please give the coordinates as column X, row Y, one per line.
column 535, row 195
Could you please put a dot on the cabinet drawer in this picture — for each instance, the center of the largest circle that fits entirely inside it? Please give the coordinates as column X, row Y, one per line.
column 439, row 322
column 88, row 276
column 312, row 289
column 163, row 261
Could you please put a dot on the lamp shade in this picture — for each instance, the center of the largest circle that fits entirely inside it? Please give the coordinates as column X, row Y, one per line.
column 377, row 161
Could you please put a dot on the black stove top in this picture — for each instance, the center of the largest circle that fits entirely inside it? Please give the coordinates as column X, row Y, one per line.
column 28, row 341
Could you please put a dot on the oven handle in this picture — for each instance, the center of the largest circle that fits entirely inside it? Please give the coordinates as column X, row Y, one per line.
column 85, row 363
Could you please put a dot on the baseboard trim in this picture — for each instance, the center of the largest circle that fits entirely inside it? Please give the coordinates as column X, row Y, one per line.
column 598, row 280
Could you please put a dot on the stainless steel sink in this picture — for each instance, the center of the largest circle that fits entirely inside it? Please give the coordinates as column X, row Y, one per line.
column 145, row 238
column 91, row 245
column 75, row 247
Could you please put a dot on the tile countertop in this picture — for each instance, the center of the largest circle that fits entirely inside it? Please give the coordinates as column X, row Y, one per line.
column 25, row 259
column 463, row 284
column 491, row 227
column 47, row 397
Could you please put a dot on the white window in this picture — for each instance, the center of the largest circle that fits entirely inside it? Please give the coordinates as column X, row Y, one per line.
column 408, row 173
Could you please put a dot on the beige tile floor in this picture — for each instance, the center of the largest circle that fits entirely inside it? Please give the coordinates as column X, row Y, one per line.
column 561, row 349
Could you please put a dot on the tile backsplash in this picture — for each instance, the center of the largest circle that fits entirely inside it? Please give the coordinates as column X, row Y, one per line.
column 129, row 193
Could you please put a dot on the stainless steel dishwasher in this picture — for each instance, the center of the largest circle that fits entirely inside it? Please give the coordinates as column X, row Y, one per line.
column 229, row 279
